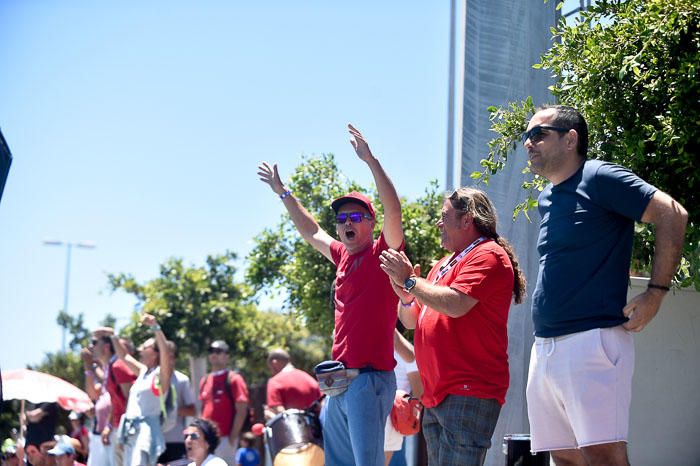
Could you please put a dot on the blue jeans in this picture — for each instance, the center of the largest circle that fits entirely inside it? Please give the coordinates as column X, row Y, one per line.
column 353, row 428
column 458, row 431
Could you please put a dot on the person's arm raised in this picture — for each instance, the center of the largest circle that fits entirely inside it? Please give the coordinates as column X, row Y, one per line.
column 305, row 223
column 164, row 361
column 393, row 230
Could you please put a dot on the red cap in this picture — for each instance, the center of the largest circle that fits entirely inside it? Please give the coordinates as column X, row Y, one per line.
column 354, row 197
column 406, row 413
column 257, row 429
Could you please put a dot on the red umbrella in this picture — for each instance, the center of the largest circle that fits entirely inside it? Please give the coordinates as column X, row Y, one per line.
column 38, row 387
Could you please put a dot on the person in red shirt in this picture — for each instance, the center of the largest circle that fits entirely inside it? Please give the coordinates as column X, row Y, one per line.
column 365, row 309
column 224, row 396
column 460, row 316
column 108, row 380
column 289, row 387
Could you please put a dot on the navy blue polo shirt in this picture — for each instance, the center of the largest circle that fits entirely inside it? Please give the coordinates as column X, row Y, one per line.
column 585, row 246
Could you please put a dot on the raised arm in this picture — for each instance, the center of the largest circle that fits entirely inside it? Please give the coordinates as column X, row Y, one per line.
column 92, row 384
column 164, row 361
column 393, row 230
column 669, row 219
column 305, row 223
column 135, row 365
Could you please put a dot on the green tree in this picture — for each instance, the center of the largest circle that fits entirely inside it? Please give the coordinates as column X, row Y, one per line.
column 75, row 326
column 196, row 305
column 632, row 68
column 281, row 259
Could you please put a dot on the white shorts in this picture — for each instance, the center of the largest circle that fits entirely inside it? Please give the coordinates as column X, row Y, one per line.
column 579, row 389
column 393, row 440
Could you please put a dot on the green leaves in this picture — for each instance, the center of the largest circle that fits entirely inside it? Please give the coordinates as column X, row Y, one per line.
column 282, row 260
column 631, row 68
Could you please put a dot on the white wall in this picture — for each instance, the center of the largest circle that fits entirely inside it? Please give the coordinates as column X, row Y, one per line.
column 665, row 414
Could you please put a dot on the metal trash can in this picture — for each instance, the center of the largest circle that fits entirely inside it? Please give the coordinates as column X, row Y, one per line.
column 516, row 447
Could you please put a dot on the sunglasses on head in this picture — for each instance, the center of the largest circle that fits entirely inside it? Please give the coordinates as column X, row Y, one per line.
column 536, row 133
column 191, row 435
column 355, row 217
column 216, row 351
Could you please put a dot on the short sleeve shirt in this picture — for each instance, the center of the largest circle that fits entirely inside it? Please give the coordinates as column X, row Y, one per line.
column 468, row 355
column 218, row 406
column 292, row 388
column 585, row 246
column 365, row 308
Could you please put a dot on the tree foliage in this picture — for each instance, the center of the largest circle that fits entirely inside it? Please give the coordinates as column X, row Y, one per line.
column 282, row 260
column 632, row 68
column 196, row 305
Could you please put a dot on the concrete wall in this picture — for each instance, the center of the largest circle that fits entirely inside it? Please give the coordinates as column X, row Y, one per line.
column 665, row 414
column 502, row 41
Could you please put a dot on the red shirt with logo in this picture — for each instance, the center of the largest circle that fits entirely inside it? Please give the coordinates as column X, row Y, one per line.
column 217, row 405
column 118, row 373
column 292, row 388
column 365, row 308
column 468, row 355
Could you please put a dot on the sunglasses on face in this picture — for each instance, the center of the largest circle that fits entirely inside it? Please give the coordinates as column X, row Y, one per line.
column 216, row 351
column 355, row 217
column 539, row 132
column 191, row 435
column 94, row 342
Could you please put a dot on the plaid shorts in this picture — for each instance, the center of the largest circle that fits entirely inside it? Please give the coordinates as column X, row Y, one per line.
column 458, row 431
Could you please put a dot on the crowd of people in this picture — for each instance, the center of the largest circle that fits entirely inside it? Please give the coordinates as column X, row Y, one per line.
column 579, row 381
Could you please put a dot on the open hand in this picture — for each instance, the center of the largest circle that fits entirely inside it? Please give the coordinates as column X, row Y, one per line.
column 396, row 265
column 269, row 175
column 359, row 144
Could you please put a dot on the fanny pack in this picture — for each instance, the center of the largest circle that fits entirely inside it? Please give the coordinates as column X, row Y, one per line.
column 333, row 377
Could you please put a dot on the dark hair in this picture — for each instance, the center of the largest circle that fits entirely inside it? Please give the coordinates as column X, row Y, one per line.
column 477, row 204
column 107, row 340
column 210, row 431
column 569, row 117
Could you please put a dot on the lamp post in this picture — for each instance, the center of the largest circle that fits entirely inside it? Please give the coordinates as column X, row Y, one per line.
column 69, row 248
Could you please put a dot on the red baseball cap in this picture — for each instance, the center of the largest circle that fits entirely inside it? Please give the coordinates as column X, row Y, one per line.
column 406, row 413
column 356, row 198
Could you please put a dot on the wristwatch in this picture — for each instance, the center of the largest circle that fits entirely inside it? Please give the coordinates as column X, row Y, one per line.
column 409, row 284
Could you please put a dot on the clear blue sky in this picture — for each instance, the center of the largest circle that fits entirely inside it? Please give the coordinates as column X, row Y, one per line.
column 139, row 126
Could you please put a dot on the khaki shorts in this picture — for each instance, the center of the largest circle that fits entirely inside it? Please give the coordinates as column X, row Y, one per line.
column 579, row 389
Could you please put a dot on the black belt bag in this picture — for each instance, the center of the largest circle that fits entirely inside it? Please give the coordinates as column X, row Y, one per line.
column 333, row 377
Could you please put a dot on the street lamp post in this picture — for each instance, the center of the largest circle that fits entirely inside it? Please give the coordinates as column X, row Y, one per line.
column 69, row 247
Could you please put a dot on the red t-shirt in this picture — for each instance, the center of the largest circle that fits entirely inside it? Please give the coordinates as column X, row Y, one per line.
column 468, row 355
column 217, row 406
column 292, row 388
column 119, row 373
column 365, row 308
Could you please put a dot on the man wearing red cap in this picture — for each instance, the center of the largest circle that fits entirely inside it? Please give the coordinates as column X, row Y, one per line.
column 365, row 309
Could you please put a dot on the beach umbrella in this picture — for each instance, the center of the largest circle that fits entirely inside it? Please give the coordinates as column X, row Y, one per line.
column 38, row 387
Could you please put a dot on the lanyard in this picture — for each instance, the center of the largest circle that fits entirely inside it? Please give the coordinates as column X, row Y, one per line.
column 446, row 268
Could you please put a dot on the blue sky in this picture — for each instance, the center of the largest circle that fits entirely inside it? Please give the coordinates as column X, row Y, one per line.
column 139, row 125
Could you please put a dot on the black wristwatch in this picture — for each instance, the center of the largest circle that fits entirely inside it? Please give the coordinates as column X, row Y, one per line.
column 409, row 284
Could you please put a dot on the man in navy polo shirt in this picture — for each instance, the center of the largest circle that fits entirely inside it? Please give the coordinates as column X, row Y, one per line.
column 580, row 378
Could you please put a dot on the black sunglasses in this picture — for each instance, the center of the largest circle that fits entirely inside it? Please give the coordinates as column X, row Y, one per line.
column 355, row 217
column 94, row 341
column 216, row 351
column 536, row 133
column 192, row 435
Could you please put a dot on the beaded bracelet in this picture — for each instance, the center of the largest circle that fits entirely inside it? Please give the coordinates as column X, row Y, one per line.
column 409, row 304
column 285, row 194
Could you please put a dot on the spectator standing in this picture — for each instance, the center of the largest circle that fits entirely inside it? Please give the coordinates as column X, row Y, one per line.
column 580, row 377
column 460, row 313
column 246, row 455
column 224, row 397
column 289, row 387
column 365, row 309
column 140, row 428
column 108, row 380
column 174, row 442
column 64, row 454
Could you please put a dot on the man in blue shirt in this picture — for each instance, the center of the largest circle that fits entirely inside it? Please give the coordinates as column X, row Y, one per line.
column 580, row 377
